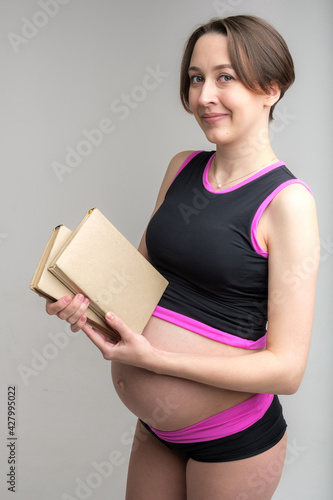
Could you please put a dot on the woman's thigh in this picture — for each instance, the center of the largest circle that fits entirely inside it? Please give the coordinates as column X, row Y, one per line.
column 155, row 472
column 254, row 478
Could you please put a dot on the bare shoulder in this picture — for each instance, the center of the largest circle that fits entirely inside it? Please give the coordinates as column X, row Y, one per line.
column 292, row 217
column 180, row 157
column 293, row 205
column 175, row 163
column 295, row 196
column 172, row 170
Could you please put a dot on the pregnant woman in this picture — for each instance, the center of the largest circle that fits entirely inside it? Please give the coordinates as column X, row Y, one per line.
column 231, row 231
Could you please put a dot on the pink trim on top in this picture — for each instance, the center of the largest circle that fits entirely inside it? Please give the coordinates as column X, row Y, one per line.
column 261, row 209
column 223, row 424
column 264, row 171
column 188, row 159
column 207, row 331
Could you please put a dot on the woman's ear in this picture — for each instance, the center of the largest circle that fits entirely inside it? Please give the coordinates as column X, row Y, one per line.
column 273, row 94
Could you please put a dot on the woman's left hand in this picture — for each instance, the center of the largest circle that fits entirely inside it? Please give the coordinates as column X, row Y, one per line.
column 132, row 349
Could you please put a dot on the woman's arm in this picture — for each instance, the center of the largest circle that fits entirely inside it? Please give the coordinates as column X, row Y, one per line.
column 293, row 245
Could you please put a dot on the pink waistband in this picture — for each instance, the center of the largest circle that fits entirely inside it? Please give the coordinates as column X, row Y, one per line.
column 223, row 424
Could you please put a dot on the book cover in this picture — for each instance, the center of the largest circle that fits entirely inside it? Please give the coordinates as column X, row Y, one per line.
column 99, row 262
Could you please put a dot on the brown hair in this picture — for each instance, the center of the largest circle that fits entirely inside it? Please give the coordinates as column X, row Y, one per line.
column 258, row 53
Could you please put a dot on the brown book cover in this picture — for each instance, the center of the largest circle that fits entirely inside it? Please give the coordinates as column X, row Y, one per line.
column 46, row 285
column 99, row 262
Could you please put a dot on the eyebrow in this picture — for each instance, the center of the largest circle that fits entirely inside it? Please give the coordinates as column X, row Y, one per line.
column 220, row 66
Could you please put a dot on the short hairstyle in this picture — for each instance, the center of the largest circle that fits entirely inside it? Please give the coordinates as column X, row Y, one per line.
column 258, row 53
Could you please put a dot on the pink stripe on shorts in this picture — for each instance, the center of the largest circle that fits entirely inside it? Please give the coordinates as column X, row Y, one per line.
column 223, row 424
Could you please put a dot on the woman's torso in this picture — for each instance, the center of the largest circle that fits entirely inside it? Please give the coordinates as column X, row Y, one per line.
column 169, row 403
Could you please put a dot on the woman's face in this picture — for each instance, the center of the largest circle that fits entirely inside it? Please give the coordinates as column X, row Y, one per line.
column 227, row 111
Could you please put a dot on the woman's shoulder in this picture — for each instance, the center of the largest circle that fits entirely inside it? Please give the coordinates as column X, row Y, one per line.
column 295, row 197
column 175, row 165
column 289, row 194
column 292, row 215
column 179, row 159
column 289, row 215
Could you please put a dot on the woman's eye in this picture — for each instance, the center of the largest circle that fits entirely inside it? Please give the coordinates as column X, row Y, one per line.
column 226, row 78
column 196, row 79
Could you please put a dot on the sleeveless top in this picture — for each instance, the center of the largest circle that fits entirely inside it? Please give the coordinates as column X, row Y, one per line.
column 204, row 243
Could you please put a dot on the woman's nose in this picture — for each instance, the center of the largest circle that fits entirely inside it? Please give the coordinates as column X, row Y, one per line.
column 208, row 93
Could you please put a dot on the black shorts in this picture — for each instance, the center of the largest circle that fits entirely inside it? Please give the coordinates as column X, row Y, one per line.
column 259, row 437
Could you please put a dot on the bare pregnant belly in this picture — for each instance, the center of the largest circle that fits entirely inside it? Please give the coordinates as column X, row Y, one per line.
column 170, row 403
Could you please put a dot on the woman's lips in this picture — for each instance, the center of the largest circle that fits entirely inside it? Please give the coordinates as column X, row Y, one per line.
column 213, row 117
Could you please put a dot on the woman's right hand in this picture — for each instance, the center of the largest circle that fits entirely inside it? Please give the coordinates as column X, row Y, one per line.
column 70, row 310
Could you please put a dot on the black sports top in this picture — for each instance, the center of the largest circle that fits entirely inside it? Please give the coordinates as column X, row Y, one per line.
column 204, row 243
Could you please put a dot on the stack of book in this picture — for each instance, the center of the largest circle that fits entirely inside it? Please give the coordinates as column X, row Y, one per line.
column 99, row 262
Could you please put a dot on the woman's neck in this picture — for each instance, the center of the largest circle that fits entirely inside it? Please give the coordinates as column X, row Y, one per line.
column 234, row 163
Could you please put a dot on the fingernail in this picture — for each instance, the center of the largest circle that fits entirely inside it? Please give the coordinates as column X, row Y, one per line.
column 67, row 300
column 86, row 301
column 80, row 297
column 109, row 316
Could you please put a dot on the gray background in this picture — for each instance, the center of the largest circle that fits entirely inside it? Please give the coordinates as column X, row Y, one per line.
column 65, row 76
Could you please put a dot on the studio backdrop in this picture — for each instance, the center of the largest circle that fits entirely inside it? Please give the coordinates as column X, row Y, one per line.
column 90, row 117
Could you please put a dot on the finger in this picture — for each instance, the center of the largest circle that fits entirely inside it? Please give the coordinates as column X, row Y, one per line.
column 83, row 304
column 76, row 327
column 118, row 325
column 75, row 309
column 99, row 339
column 55, row 307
